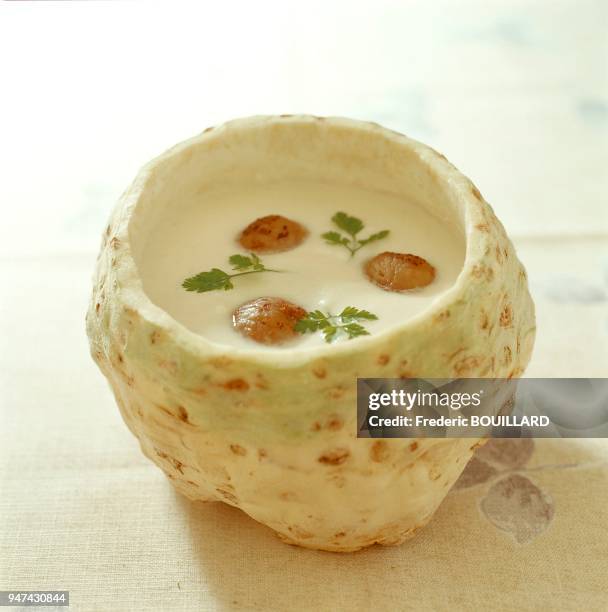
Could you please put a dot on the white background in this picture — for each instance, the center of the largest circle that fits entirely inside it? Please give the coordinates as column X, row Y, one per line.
column 513, row 92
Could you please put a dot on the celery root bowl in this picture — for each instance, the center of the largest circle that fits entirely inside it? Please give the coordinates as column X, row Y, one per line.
column 273, row 432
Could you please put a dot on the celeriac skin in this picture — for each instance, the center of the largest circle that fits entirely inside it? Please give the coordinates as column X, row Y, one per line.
column 276, row 437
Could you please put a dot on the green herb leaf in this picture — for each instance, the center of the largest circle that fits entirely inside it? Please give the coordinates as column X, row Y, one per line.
column 333, row 326
column 208, row 281
column 330, row 333
column 374, row 237
column 352, row 226
column 354, row 329
column 216, row 279
column 306, row 325
column 352, row 313
column 334, row 238
column 240, row 262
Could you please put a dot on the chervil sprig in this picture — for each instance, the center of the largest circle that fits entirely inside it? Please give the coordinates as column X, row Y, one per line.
column 333, row 326
column 352, row 226
column 216, row 279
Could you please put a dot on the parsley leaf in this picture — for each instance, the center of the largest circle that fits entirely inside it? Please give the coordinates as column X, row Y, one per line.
column 330, row 332
column 334, row 238
column 332, row 326
column 216, row 279
column 240, row 262
column 374, row 237
column 208, row 281
column 352, row 313
column 352, row 226
column 354, row 329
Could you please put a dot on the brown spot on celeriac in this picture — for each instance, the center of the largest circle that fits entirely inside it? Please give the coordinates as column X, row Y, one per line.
column 334, row 423
column 379, row 451
column 182, row 414
column 485, row 320
column 467, row 365
column 236, row 384
column 220, row 362
column 228, row 495
column 337, row 392
column 482, row 271
column 441, row 316
column 298, row 532
column 334, row 457
column 506, row 316
column 288, row 496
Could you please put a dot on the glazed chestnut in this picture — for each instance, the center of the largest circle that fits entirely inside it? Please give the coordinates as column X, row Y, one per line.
column 268, row 320
column 399, row 271
column 272, row 234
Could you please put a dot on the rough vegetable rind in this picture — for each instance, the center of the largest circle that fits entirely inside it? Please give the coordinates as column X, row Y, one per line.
column 276, row 437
